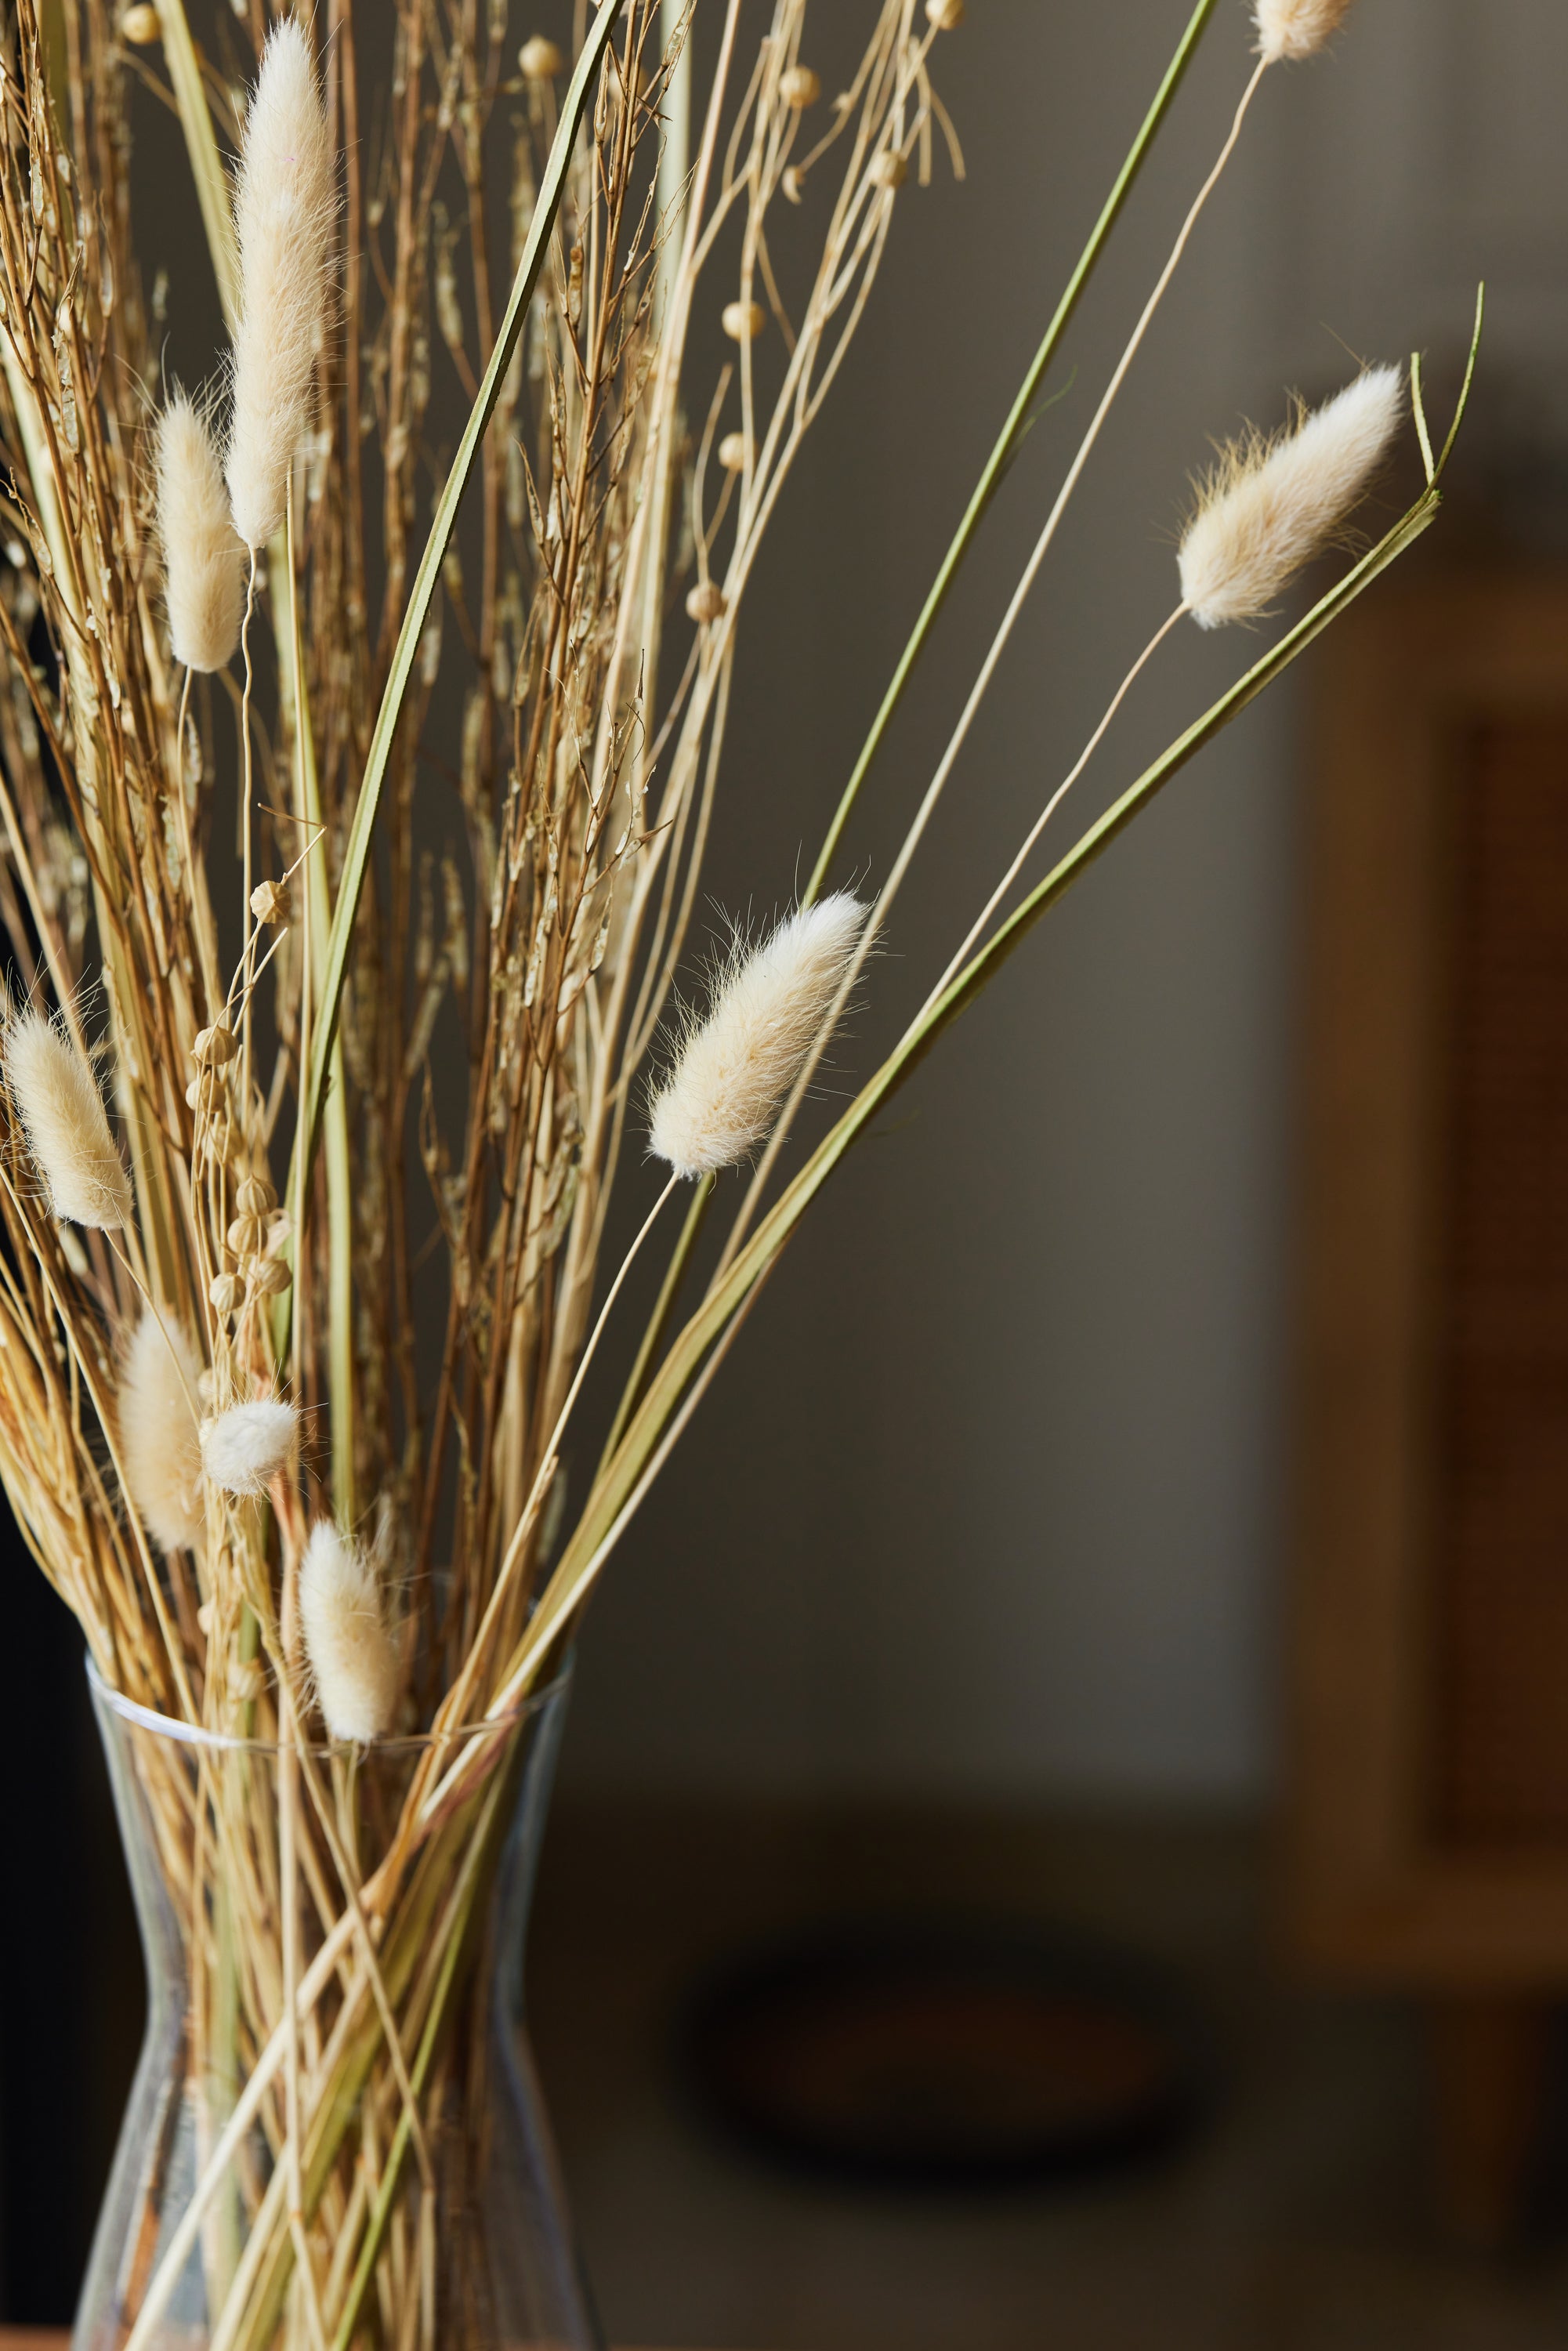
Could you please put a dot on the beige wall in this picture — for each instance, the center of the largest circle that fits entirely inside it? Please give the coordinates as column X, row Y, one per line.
column 991, row 1499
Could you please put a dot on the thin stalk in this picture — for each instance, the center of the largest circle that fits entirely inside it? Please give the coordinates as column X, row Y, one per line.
column 1012, row 432
column 659, row 1320
column 1057, row 796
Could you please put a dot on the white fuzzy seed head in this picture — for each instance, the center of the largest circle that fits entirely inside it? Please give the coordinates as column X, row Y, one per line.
column 244, row 1449
column 734, row 1069
column 1269, row 507
column 283, row 221
column 352, row 1653
column 1296, row 28
column 67, row 1126
column 156, row 1407
column 203, row 573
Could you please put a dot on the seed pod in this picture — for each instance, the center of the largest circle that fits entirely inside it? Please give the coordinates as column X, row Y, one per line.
column 140, row 24
column 245, row 1236
column 733, row 450
column 946, row 15
column 888, row 169
column 269, row 902
column 541, row 59
column 800, row 87
column 226, row 1292
column 255, row 1196
column 270, row 1278
column 705, row 603
column 214, row 1047
column 206, row 1091
column 744, row 321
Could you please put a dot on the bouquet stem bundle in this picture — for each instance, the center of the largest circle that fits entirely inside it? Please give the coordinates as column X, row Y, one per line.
column 279, row 1519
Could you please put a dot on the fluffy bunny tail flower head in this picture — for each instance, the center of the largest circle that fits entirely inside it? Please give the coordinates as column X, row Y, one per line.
column 284, row 205
column 1269, row 507
column 65, row 1124
column 244, row 1449
column 1297, row 28
column 156, row 1408
column 352, row 1652
column 203, row 576
column 734, row 1069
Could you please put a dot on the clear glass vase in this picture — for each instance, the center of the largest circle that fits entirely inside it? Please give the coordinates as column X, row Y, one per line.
column 312, row 2187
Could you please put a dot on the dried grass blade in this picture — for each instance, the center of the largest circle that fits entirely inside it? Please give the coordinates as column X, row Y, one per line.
column 356, row 852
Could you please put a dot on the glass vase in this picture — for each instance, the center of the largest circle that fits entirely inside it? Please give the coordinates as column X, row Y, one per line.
column 309, row 2187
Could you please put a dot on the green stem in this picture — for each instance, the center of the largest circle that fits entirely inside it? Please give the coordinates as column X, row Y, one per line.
column 609, row 1502
column 1012, row 432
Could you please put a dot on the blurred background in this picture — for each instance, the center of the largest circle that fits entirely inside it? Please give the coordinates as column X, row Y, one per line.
column 986, row 1589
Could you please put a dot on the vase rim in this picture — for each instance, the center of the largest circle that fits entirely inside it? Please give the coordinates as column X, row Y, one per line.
column 192, row 1734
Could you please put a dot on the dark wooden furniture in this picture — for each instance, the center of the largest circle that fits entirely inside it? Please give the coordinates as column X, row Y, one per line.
column 1430, row 1785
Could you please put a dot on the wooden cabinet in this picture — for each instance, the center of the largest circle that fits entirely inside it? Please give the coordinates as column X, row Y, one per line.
column 1429, row 1782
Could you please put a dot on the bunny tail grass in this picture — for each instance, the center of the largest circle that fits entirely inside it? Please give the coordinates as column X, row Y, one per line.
column 156, row 1408
column 204, row 563
column 283, row 218
column 65, row 1124
column 352, row 1653
column 244, row 1449
column 1296, row 28
column 1269, row 506
column 734, row 1069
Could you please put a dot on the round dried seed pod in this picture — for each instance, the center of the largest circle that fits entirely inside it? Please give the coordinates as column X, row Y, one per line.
column 140, row 24
column 744, row 321
column 946, row 15
column 800, row 87
column 706, row 602
column 206, row 1090
column 245, row 1236
column 226, row 1292
column 889, row 169
column 255, row 1196
column 270, row 904
column 732, row 452
column 270, row 1278
column 541, row 59
column 214, row 1047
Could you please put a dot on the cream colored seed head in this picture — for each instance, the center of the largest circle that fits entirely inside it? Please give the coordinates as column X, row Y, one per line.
column 733, row 450
column 888, row 169
column 140, row 24
column 65, row 1124
column 705, row 603
column 226, row 1292
column 247, row 1235
column 270, row 1277
column 244, row 1449
column 155, row 1408
column 1296, row 28
column 733, row 1070
column 800, row 87
column 203, row 562
column 946, row 15
column 255, row 1196
column 269, row 902
column 1269, row 507
column 744, row 321
column 283, row 221
column 541, row 59
column 352, row 1653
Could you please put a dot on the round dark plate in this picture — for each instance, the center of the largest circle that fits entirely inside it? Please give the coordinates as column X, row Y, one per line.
column 944, row 2056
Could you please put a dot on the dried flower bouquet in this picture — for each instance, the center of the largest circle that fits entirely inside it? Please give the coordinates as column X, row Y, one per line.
column 214, row 1428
